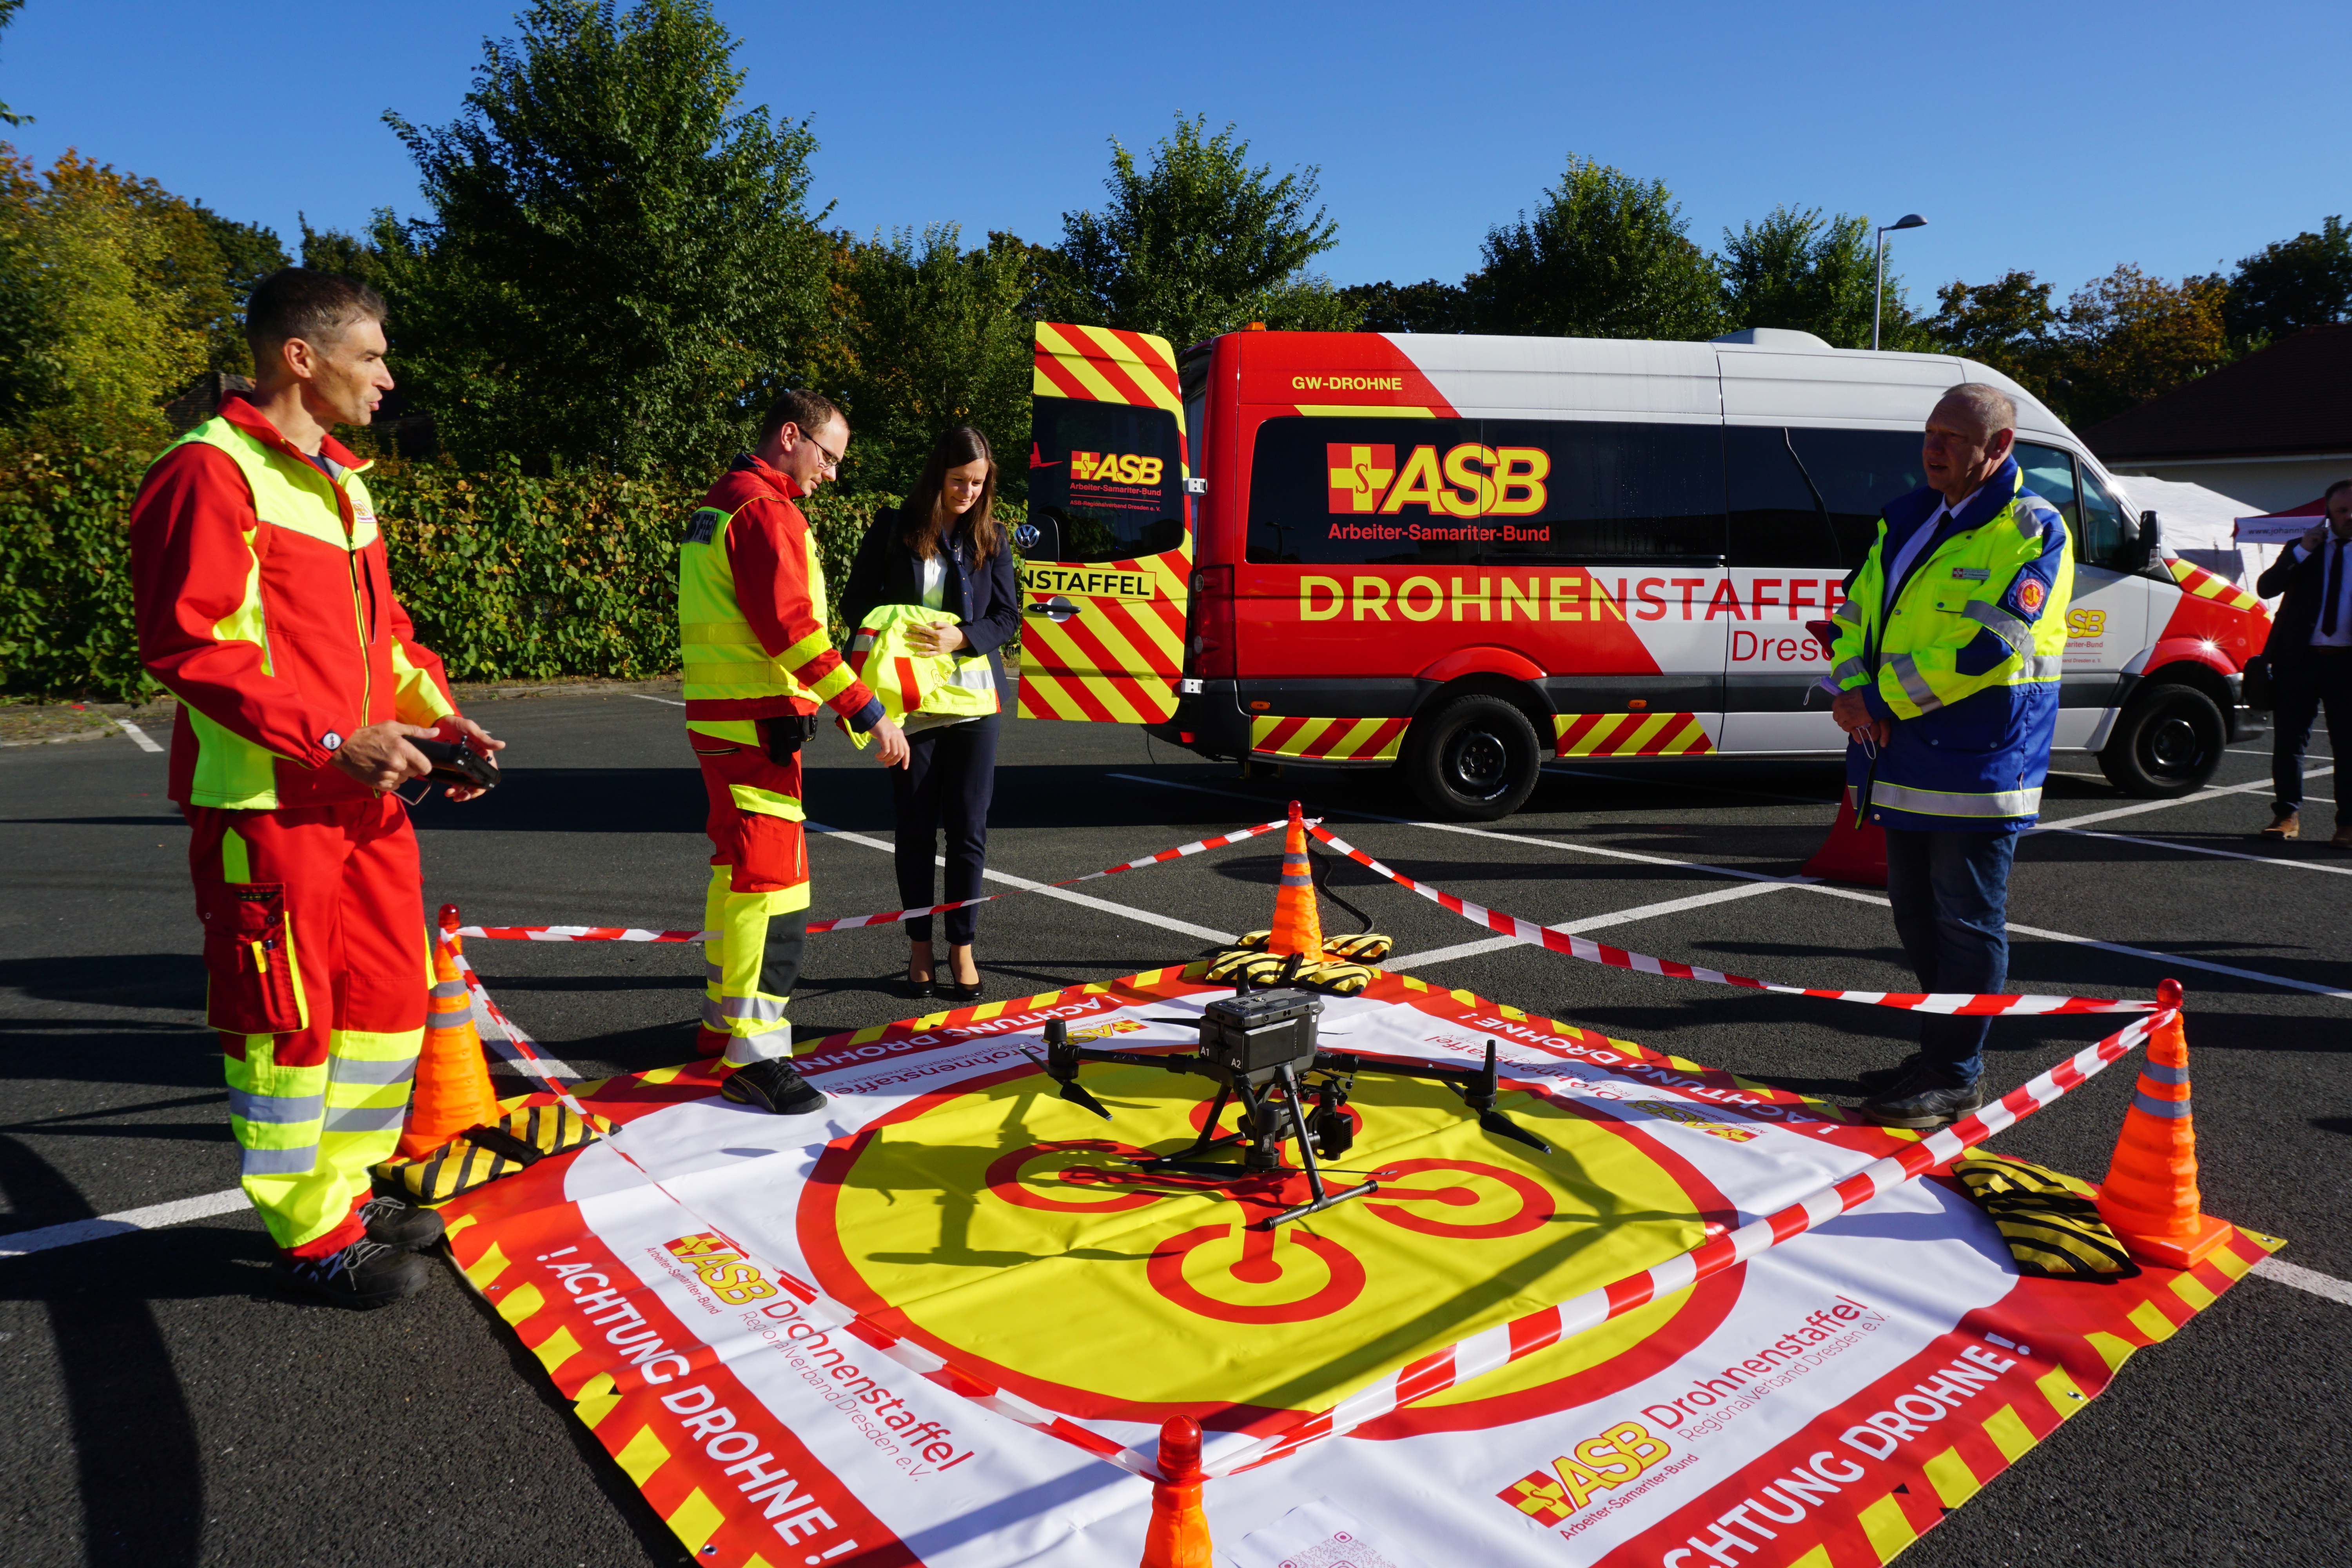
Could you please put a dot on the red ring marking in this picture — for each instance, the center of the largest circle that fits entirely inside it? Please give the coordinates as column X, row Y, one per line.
column 1256, row 1266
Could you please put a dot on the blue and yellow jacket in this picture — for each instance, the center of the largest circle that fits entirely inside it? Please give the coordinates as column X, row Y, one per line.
column 1964, row 654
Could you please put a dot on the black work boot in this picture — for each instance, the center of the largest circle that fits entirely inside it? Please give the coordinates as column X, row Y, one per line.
column 1925, row 1099
column 772, row 1085
column 396, row 1222
column 1874, row 1079
column 364, row 1275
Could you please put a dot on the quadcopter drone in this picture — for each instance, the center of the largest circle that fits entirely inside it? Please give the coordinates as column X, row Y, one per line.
column 1260, row 1048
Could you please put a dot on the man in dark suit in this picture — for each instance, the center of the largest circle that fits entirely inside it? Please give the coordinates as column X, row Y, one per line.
column 2310, row 650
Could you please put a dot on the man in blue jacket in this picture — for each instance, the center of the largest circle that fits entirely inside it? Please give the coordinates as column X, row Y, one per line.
column 1947, row 663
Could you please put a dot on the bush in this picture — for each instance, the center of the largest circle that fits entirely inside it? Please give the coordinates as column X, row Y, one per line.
column 507, row 577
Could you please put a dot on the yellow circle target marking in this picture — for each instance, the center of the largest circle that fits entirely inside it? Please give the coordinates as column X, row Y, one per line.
column 1007, row 1229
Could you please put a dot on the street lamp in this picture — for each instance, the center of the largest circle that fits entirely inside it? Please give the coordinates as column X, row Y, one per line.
column 1878, row 298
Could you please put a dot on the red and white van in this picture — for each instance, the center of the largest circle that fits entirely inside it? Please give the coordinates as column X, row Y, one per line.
column 1465, row 556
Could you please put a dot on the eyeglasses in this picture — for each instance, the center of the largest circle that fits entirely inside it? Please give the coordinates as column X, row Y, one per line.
column 831, row 459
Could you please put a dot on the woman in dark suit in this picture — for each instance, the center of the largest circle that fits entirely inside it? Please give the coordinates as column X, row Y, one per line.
column 944, row 549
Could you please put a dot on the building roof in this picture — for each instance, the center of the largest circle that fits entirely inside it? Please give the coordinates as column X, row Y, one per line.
column 2294, row 396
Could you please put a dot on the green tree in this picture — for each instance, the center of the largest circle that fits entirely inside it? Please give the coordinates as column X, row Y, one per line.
column 2128, row 337
column 620, row 269
column 107, row 289
column 932, row 335
column 247, row 254
column 1812, row 274
column 1605, row 256
column 2009, row 324
column 2292, row 284
column 1198, row 243
column 1425, row 307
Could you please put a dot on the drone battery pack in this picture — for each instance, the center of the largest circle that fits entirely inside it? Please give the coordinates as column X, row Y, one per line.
column 1255, row 1034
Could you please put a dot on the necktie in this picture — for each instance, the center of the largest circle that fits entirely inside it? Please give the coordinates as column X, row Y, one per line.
column 2331, row 587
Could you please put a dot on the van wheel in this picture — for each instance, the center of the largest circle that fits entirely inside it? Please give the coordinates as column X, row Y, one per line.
column 1474, row 759
column 2167, row 743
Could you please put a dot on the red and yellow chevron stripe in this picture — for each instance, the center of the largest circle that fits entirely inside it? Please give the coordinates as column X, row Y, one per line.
column 1327, row 740
column 1630, row 735
column 2198, row 583
column 1105, row 366
column 1116, row 661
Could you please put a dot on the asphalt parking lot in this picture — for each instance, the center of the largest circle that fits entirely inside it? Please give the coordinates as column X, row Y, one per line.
column 170, row 1404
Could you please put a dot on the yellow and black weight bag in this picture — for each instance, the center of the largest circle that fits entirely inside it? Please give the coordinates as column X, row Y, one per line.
column 517, row 1141
column 2049, row 1220
column 1343, row 970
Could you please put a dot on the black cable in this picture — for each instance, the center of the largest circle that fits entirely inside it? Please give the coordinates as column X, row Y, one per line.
column 1320, row 872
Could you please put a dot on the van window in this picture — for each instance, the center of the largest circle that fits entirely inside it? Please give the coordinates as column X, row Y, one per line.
column 2108, row 533
column 1106, row 481
column 2050, row 474
column 1357, row 490
column 1857, row 472
column 1776, row 518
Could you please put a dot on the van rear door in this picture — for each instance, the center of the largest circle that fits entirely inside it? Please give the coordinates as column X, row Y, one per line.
column 1106, row 548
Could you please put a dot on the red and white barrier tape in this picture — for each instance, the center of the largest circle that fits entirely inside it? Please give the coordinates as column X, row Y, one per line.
column 851, row 923
column 1642, row 962
column 1507, row 1343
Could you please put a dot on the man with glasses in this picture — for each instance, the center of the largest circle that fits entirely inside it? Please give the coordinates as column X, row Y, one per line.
column 2310, row 650
column 759, row 662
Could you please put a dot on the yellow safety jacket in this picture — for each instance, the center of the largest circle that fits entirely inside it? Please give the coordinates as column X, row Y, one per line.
column 1963, row 654
column 752, row 611
column 263, row 602
column 950, row 685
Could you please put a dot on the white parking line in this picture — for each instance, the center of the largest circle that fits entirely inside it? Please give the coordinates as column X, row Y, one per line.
column 1589, row 923
column 2302, row 1278
column 138, row 737
column 153, row 1217
column 1715, row 788
column 2221, row 793
column 2204, row 849
column 643, row 698
column 1164, row 922
column 1880, row 899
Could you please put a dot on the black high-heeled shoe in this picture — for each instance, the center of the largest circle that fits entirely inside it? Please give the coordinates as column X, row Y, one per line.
column 957, row 991
column 915, row 990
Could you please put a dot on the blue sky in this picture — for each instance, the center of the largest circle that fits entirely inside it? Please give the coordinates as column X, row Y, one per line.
column 2062, row 138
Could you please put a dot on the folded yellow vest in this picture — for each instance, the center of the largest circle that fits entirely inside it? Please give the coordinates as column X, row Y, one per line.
column 904, row 681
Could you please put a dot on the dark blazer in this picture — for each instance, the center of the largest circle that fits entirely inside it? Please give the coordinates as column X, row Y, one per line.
column 980, row 595
column 2296, row 585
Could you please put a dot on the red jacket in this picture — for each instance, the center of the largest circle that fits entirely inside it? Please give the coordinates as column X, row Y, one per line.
column 773, row 583
column 265, row 605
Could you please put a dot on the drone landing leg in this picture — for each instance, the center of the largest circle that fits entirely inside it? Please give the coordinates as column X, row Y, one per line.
column 1322, row 1199
column 1185, row 1159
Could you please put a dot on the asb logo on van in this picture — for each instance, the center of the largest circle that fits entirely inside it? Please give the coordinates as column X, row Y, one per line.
column 1115, row 467
column 1469, row 480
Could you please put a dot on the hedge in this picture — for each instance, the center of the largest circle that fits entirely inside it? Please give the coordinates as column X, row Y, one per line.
column 507, row 577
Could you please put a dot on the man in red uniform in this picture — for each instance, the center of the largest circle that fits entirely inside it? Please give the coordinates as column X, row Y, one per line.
column 759, row 662
column 265, row 607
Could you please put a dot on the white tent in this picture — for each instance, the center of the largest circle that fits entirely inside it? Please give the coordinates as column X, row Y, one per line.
column 2199, row 525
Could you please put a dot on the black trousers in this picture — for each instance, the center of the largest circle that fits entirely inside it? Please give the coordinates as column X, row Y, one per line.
column 2318, row 680
column 949, row 776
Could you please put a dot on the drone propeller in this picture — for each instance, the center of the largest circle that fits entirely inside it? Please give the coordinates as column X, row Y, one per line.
column 1070, row 1090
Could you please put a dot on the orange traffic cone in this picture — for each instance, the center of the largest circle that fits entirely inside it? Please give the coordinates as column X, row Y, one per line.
column 1297, row 922
column 1854, row 851
column 1178, row 1535
column 2150, row 1195
column 453, row 1085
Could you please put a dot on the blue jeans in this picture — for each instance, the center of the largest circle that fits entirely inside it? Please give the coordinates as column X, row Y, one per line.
column 1950, row 893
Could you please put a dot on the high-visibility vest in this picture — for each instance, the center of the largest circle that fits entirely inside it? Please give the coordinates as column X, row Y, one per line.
column 1966, row 658
column 383, row 682
column 953, row 685
column 724, row 660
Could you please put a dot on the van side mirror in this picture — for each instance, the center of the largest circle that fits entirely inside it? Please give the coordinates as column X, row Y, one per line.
column 2150, row 547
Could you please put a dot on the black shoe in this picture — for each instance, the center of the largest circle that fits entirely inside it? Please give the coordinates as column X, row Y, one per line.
column 364, row 1275
column 396, row 1222
column 1875, row 1080
column 772, row 1085
column 963, row 996
column 1925, row 1099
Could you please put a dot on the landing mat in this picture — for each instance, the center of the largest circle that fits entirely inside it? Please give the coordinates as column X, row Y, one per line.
column 1819, row 1406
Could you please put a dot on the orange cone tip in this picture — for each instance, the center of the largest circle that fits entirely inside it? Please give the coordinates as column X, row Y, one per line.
column 2150, row 1195
column 1178, row 1535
